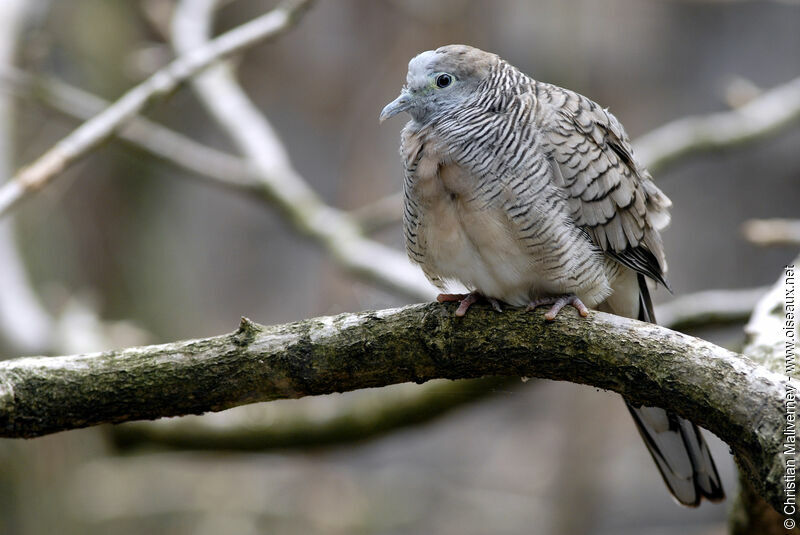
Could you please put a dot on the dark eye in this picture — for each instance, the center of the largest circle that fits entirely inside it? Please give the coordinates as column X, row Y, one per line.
column 443, row 80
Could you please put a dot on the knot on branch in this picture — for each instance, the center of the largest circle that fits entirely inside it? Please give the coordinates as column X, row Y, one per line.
column 246, row 332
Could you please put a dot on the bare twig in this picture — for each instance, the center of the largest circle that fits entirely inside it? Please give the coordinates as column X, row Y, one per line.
column 764, row 115
column 767, row 232
column 24, row 323
column 163, row 82
column 710, row 307
column 391, row 269
column 213, row 165
column 726, row 393
column 279, row 181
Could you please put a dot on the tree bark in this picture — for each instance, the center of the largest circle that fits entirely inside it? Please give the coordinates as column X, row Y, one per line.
column 727, row 393
column 767, row 345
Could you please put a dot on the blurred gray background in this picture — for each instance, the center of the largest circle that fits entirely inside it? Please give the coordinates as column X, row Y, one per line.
column 138, row 241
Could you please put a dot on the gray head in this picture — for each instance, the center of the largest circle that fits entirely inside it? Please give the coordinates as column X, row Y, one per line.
column 440, row 80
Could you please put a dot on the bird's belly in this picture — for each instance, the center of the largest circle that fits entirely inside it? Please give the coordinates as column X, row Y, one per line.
column 475, row 247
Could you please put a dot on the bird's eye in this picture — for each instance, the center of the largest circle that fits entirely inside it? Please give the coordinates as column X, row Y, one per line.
column 443, row 80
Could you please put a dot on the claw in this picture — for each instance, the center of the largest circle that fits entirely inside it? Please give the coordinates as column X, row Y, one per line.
column 559, row 303
column 495, row 304
column 467, row 300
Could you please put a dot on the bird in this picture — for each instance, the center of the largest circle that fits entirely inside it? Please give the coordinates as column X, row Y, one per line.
column 529, row 194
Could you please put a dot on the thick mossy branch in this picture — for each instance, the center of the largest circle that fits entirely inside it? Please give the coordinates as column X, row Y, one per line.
column 720, row 390
column 374, row 412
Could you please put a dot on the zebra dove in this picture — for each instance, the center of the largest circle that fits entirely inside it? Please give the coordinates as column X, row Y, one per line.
column 529, row 194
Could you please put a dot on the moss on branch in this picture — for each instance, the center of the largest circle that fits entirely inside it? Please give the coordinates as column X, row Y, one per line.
column 718, row 389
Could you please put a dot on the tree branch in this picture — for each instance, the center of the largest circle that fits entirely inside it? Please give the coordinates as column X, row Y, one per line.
column 288, row 191
column 314, row 422
column 309, row 217
column 376, row 412
column 654, row 149
column 769, row 346
column 729, row 395
column 709, row 307
column 764, row 115
column 215, row 166
column 101, row 127
column 768, row 232
column 25, row 325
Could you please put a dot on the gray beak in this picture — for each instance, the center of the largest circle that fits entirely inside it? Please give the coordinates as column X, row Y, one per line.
column 401, row 103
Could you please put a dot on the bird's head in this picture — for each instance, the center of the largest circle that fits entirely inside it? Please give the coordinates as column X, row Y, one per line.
column 439, row 81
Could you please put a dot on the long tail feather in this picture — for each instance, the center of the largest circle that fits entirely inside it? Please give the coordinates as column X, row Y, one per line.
column 677, row 447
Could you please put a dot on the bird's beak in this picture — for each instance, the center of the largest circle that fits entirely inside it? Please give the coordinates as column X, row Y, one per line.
column 401, row 103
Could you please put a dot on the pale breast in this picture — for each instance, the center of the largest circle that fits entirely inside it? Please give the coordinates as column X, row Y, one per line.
column 468, row 241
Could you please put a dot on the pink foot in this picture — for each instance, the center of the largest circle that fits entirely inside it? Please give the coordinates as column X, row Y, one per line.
column 450, row 298
column 559, row 303
column 467, row 300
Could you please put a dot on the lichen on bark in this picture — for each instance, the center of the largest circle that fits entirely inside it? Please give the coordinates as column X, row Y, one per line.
column 725, row 392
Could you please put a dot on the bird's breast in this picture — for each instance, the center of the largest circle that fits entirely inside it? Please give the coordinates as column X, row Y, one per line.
column 467, row 239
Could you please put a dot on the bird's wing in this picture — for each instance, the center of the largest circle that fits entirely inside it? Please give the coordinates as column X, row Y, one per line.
column 610, row 195
column 616, row 202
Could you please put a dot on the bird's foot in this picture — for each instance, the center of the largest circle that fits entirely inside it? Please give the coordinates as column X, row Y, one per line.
column 558, row 303
column 467, row 300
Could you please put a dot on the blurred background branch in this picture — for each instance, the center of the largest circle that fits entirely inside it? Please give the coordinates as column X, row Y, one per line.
column 767, row 114
column 24, row 324
column 768, row 232
column 316, row 423
column 271, row 181
column 96, row 130
column 253, row 135
column 205, row 162
column 709, row 308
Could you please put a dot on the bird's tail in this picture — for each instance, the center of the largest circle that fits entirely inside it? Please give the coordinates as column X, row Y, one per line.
column 677, row 447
